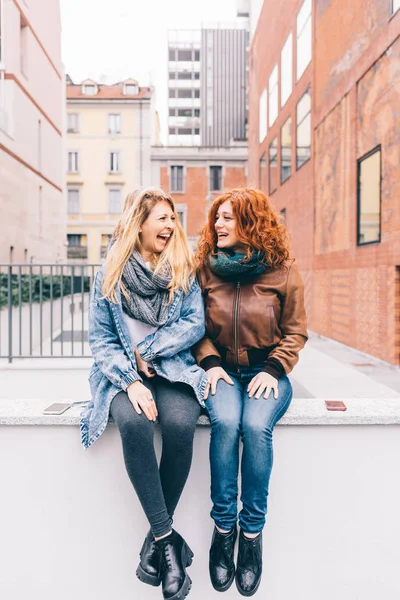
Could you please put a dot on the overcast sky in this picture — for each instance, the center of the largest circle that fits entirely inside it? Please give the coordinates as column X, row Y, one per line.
column 111, row 40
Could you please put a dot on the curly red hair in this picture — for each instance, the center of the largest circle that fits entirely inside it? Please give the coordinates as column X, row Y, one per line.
column 258, row 227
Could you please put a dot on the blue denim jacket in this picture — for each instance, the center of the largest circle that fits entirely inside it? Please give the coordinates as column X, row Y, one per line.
column 114, row 367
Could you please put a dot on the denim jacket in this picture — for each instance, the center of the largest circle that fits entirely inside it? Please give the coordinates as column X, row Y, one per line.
column 114, row 367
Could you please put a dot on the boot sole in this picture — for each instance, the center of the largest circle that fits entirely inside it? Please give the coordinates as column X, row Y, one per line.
column 184, row 591
column 225, row 587
column 146, row 578
column 243, row 593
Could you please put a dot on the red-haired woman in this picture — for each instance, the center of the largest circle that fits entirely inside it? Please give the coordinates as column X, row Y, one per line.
column 255, row 328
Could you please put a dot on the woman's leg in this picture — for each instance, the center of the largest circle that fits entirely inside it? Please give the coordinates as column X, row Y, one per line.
column 178, row 411
column 137, row 434
column 258, row 421
column 225, row 411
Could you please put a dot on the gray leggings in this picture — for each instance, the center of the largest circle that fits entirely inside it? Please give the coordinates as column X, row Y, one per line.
column 158, row 488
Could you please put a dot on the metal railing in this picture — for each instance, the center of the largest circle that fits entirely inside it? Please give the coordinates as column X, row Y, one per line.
column 44, row 310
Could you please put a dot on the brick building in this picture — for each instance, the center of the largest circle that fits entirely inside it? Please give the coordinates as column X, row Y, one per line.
column 324, row 142
column 195, row 176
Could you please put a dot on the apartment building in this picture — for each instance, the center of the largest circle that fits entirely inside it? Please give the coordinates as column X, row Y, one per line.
column 324, row 92
column 109, row 135
column 32, row 100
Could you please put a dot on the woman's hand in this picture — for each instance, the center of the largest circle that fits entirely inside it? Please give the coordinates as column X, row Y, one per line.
column 214, row 375
column 263, row 381
column 143, row 366
column 141, row 397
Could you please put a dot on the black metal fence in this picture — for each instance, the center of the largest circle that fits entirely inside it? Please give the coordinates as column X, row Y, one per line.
column 43, row 310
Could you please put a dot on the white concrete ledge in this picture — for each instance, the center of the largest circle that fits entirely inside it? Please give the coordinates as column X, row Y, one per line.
column 360, row 411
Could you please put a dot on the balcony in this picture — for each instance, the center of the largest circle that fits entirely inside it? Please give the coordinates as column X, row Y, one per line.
column 77, row 252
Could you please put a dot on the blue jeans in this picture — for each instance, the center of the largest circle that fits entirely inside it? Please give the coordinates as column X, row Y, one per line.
column 234, row 415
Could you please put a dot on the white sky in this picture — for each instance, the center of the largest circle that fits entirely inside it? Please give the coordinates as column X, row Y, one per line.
column 111, row 40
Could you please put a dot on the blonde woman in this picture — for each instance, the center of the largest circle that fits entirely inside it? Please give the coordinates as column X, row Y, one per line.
column 146, row 312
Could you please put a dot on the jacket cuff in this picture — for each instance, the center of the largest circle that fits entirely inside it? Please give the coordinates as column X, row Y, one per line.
column 210, row 361
column 274, row 367
column 144, row 352
column 131, row 377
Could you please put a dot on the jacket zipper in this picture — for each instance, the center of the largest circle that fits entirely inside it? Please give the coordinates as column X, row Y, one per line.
column 236, row 325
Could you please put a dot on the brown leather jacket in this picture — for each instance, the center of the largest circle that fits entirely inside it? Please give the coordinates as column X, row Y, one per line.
column 253, row 321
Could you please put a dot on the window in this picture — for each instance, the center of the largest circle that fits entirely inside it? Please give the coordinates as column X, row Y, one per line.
column 114, row 201
column 273, row 166
column 176, row 179
column 172, row 93
column 172, row 131
column 171, row 54
column 23, row 46
column 215, row 179
column 131, row 89
column 286, row 150
column 184, row 93
column 181, row 211
column 184, row 131
column 197, row 132
column 395, row 8
column 172, row 112
column 263, row 116
column 262, row 175
column 73, row 162
column 283, row 216
column 115, row 161
column 73, row 122
column 184, row 112
column 172, row 75
column 196, row 112
column 369, row 198
column 304, row 38
column 184, row 55
column 74, row 240
column 286, row 70
column 197, row 93
column 197, row 55
column 273, row 96
column 197, row 75
column 73, row 205
column 184, row 75
column 303, row 134
column 114, row 123
column 89, row 90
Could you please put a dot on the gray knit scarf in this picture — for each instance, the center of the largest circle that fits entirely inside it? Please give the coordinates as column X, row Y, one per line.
column 148, row 293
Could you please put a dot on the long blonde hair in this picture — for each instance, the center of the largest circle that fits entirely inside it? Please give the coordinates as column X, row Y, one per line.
column 176, row 259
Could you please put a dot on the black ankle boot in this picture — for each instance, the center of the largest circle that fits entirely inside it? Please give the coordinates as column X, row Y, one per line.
column 175, row 557
column 249, row 564
column 149, row 567
column 221, row 565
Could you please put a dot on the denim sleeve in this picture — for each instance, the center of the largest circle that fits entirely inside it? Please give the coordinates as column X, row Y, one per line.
column 105, row 344
column 179, row 335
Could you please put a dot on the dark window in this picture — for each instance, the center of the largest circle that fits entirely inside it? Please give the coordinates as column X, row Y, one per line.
column 184, row 131
column 197, row 75
column 172, row 131
column 303, row 133
column 172, row 75
column 215, row 179
column 184, row 75
column 263, row 173
column 176, row 179
column 197, row 93
column 172, row 93
column 172, row 112
column 184, row 112
column 184, row 55
column 283, row 216
column 197, row 55
column 369, row 198
column 286, row 150
column 196, row 112
column 171, row 55
column 273, row 166
column 184, row 93
column 197, row 132
column 74, row 239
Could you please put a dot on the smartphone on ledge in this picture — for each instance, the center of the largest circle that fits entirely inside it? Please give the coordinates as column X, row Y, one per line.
column 58, row 408
column 335, row 405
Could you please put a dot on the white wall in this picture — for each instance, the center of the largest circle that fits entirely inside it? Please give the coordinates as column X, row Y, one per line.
column 72, row 527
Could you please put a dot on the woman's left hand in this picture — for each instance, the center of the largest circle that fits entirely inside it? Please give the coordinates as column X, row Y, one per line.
column 143, row 366
column 263, row 382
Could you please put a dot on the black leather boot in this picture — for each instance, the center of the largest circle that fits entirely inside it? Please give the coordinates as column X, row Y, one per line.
column 149, row 567
column 175, row 557
column 221, row 565
column 249, row 564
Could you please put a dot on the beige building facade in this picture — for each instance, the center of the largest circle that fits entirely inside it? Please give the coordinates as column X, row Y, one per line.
column 109, row 135
column 32, row 100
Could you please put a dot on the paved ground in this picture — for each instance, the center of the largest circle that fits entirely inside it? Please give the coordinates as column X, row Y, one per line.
column 326, row 369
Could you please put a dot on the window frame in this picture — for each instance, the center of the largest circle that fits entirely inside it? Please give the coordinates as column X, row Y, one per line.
column 77, row 119
column 270, row 190
column 74, row 189
column 172, row 188
column 110, row 120
column 211, row 170
column 376, row 149
column 283, row 180
column 112, row 189
column 307, row 91
column 273, row 90
column 288, row 56
column 262, row 116
column 78, row 161
column 299, row 34
column 119, row 162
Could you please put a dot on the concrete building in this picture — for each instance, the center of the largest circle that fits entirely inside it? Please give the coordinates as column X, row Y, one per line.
column 324, row 92
column 109, row 139
column 207, row 85
column 32, row 101
column 195, row 176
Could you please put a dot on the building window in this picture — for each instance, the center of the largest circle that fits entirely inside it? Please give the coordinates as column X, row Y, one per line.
column 184, row 112
column 273, row 166
column 369, row 198
column 77, row 246
column 114, row 201
column 304, row 38
column 184, row 55
column 197, row 93
column 262, row 124
column 283, row 216
column 73, row 162
column 171, row 54
column 115, row 162
column 395, row 8
column 181, row 211
column 131, row 89
column 215, row 179
column 197, row 75
column 172, row 75
column 286, row 150
column 172, row 112
column 197, row 55
column 172, row 93
column 114, row 123
column 184, row 131
column 74, row 204
column 196, row 112
column 23, row 45
column 273, row 96
column 286, row 70
column 185, row 75
column 303, row 134
column 262, row 175
column 74, row 240
column 73, row 122
column 89, row 90
column 184, row 93
column 176, row 179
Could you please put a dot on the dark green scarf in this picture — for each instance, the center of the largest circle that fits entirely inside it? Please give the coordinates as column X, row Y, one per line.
column 236, row 266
